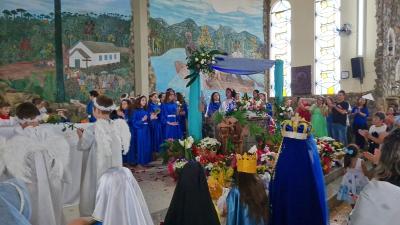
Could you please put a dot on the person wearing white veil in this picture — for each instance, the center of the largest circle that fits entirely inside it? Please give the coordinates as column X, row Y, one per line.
column 119, row 201
column 103, row 144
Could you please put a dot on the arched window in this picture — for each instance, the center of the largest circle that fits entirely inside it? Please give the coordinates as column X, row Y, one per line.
column 280, row 42
column 327, row 46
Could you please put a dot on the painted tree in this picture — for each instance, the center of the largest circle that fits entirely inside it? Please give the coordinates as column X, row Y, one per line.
column 21, row 11
column 205, row 38
column 266, row 29
column 14, row 13
column 7, row 13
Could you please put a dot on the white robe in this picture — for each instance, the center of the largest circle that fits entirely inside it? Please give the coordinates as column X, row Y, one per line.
column 102, row 144
column 378, row 204
column 119, row 200
column 38, row 157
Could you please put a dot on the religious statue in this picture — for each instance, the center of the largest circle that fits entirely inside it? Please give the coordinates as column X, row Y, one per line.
column 190, row 45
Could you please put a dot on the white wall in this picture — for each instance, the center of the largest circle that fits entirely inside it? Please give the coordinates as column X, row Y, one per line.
column 303, row 15
column 349, row 45
column 96, row 61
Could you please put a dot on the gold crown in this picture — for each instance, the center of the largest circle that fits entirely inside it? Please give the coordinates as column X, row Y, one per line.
column 246, row 163
column 296, row 128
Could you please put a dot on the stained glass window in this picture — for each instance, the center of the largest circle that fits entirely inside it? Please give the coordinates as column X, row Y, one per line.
column 280, row 42
column 327, row 46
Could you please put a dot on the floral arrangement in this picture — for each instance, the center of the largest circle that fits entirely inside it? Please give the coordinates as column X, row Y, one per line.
column 283, row 112
column 56, row 119
column 329, row 149
column 177, row 149
column 211, row 144
column 200, row 62
column 175, row 167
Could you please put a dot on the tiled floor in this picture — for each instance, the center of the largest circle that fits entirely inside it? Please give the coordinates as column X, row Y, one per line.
column 340, row 214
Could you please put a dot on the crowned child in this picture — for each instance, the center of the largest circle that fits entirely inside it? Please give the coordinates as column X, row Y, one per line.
column 247, row 201
column 102, row 144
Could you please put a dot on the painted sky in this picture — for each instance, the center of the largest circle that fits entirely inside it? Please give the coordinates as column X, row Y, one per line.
column 241, row 15
column 79, row 6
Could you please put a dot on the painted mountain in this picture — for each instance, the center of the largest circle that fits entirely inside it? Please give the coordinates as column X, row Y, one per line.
column 164, row 37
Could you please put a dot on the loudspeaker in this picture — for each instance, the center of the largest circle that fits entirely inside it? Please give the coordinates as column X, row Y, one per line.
column 357, row 67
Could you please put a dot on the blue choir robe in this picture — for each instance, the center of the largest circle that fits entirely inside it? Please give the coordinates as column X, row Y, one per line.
column 212, row 108
column 237, row 213
column 156, row 131
column 89, row 111
column 142, row 136
column 169, row 114
column 131, row 156
column 183, row 118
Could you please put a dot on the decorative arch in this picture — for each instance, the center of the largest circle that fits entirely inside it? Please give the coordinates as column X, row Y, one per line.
column 327, row 46
column 281, row 33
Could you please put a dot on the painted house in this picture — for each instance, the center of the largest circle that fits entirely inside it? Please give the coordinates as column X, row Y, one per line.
column 90, row 53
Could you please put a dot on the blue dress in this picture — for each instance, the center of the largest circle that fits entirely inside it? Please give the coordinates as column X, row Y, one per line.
column 156, row 131
column 237, row 213
column 142, row 137
column 98, row 223
column 268, row 108
column 131, row 156
column 297, row 190
column 169, row 114
column 182, row 119
column 89, row 111
column 212, row 108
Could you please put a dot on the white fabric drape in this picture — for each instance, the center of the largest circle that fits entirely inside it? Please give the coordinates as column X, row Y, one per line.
column 378, row 204
column 119, row 200
column 39, row 158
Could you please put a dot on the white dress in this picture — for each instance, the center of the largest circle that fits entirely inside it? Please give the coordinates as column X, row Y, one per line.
column 102, row 144
column 39, row 158
column 352, row 183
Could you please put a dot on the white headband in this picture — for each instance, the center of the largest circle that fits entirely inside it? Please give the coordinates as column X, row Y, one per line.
column 102, row 108
column 22, row 121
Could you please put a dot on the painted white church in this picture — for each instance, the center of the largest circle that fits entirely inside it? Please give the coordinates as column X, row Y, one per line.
column 89, row 53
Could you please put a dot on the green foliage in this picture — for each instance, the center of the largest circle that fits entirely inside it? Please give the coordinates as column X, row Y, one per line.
column 28, row 36
column 218, row 117
column 230, row 147
column 33, row 84
column 49, row 89
column 254, row 129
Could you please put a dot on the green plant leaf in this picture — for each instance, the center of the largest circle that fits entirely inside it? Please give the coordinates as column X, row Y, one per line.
column 191, row 75
column 218, row 117
column 191, row 81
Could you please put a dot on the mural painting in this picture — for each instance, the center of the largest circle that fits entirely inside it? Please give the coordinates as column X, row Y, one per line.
column 95, row 36
column 176, row 27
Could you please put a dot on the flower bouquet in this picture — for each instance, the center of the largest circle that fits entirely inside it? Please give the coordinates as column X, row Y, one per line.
column 211, row 144
column 329, row 149
column 175, row 167
column 201, row 61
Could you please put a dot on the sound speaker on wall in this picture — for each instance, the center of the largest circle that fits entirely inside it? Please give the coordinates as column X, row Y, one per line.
column 357, row 67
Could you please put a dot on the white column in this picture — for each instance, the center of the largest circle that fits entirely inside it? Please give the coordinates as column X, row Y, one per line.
column 139, row 9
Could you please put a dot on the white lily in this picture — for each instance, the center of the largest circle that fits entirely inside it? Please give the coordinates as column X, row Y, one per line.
column 196, row 59
column 253, row 149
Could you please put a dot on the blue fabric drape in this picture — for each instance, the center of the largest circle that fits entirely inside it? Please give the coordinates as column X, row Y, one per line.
column 195, row 120
column 278, row 75
column 241, row 66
